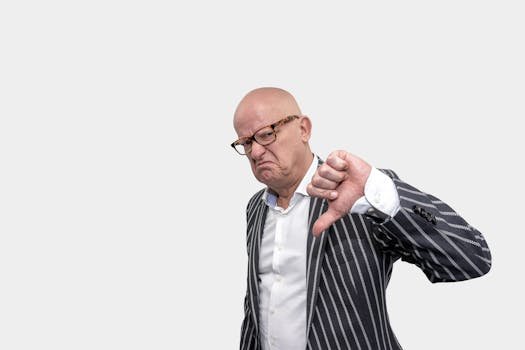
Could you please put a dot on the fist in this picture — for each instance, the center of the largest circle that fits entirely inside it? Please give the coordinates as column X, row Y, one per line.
column 341, row 180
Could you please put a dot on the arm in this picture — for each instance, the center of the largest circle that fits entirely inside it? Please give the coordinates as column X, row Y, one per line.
column 421, row 229
column 429, row 233
column 248, row 339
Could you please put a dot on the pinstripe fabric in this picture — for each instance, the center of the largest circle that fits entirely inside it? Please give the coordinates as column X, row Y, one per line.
column 349, row 266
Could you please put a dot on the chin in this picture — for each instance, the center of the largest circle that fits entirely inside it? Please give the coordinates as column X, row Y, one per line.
column 266, row 176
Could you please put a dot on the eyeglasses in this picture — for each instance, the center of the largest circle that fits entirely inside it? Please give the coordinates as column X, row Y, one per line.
column 264, row 136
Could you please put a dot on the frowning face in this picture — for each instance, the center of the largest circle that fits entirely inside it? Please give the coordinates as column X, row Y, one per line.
column 268, row 149
column 278, row 163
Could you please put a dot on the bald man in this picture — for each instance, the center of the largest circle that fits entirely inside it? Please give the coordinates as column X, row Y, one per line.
column 322, row 236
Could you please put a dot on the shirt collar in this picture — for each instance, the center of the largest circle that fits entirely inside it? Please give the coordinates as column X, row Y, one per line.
column 270, row 197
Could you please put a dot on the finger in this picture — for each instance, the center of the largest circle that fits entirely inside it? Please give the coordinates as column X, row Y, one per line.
column 324, row 222
column 321, row 193
column 324, row 183
column 329, row 173
column 338, row 160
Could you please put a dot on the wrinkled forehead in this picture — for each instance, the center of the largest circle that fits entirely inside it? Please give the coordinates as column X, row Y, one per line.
column 248, row 123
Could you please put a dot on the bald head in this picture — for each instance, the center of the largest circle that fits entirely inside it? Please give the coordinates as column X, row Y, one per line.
column 266, row 103
column 282, row 163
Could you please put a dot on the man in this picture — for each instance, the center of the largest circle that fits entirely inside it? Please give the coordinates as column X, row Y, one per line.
column 322, row 236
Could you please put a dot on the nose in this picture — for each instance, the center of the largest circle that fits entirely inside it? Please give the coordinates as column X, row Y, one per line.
column 257, row 151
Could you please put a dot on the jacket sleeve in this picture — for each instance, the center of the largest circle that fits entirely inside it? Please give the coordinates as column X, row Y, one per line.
column 248, row 336
column 428, row 233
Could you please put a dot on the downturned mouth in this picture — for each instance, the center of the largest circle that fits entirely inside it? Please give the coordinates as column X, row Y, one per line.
column 262, row 163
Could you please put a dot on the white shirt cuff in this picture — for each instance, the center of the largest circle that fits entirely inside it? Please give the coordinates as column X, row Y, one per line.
column 380, row 192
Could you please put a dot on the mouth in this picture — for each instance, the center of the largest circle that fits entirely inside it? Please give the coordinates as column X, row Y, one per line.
column 260, row 164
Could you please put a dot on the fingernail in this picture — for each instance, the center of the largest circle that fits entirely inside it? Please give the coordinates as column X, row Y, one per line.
column 333, row 194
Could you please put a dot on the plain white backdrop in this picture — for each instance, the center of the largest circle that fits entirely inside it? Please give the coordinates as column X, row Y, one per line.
column 122, row 204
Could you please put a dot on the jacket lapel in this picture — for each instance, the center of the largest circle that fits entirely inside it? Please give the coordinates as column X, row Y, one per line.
column 254, row 242
column 314, row 258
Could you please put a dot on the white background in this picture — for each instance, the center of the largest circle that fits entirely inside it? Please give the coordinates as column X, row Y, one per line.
column 122, row 204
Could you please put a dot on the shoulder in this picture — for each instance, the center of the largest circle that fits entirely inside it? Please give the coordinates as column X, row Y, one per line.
column 256, row 198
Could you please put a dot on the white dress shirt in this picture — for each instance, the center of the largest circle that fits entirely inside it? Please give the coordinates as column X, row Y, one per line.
column 282, row 258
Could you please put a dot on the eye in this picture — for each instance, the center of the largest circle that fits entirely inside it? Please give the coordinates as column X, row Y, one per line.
column 265, row 135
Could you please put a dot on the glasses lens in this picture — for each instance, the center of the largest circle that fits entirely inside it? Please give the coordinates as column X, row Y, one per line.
column 265, row 136
column 241, row 149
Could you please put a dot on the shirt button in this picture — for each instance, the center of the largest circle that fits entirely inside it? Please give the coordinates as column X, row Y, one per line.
column 279, row 278
column 272, row 311
column 280, row 248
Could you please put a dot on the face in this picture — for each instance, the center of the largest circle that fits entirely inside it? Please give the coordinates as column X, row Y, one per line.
column 279, row 163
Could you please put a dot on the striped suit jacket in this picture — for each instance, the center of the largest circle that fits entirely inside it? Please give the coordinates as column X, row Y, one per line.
column 349, row 266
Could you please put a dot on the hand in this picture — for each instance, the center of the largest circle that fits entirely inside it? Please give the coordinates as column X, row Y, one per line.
column 341, row 180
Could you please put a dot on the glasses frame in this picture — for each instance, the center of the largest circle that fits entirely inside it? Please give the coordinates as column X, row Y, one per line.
column 281, row 122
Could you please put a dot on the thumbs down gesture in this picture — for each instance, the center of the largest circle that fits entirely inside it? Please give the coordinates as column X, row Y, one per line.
column 341, row 180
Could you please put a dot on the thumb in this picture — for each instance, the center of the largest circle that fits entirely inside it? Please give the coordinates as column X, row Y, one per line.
column 325, row 221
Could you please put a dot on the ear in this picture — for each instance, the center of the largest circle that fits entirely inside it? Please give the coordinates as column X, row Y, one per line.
column 306, row 128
